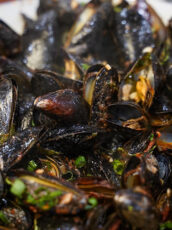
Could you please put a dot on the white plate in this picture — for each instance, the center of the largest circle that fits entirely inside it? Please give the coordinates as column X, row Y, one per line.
column 11, row 12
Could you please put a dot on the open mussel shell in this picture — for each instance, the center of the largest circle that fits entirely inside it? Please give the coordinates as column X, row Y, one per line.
column 13, row 150
column 142, row 82
column 46, row 192
column 137, row 208
column 72, row 69
column 100, row 89
column 128, row 115
column 89, row 82
column 152, row 171
column 138, row 143
column 50, row 167
column 10, row 42
column 9, row 96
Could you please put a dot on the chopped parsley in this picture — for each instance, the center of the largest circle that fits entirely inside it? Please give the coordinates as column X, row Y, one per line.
column 31, row 166
column 80, row 162
column 85, row 66
column 44, row 201
column 92, row 202
column 118, row 167
column 166, row 225
column 18, row 188
column 3, row 218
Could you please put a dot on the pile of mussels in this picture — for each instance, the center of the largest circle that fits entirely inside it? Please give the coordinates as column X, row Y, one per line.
column 86, row 118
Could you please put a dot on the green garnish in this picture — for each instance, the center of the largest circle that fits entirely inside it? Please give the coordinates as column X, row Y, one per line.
column 117, row 9
column 152, row 149
column 166, row 225
column 44, row 201
column 130, row 208
column 31, row 166
column 151, row 137
column 82, row 3
column 18, row 188
column 92, row 202
column 33, row 123
column 80, row 162
column 85, row 66
column 118, row 167
column 3, row 218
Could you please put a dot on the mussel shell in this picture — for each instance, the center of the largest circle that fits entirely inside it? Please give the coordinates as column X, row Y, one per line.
column 90, row 27
column 8, row 95
column 131, row 177
column 8, row 66
column 18, row 218
column 67, row 11
column 104, row 91
column 137, row 209
column 131, row 33
column 13, row 150
column 165, row 170
column 66, row 105
column 45, row 81
column 69, row 200
column 62, row 223
column 138, row 143
column 10, row 42
column 99, row 216
column 128, row 115
column 76, row 139
column 97, row 186
column 38, row 44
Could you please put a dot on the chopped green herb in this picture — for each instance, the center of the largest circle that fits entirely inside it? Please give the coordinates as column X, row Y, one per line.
column 31, row 166
column 166, row 225
column 82, row 3
column 89, row 174
column 40, row 189
column 118, row 167
column 92, row 202
column 33, row 123
column 80, row 161
column 44, row 201
column 152, row 149
column 85, row 66
column 18, row 188
column 130, row 208
column 3, row 218
column 117, row 9
column 151, row 137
